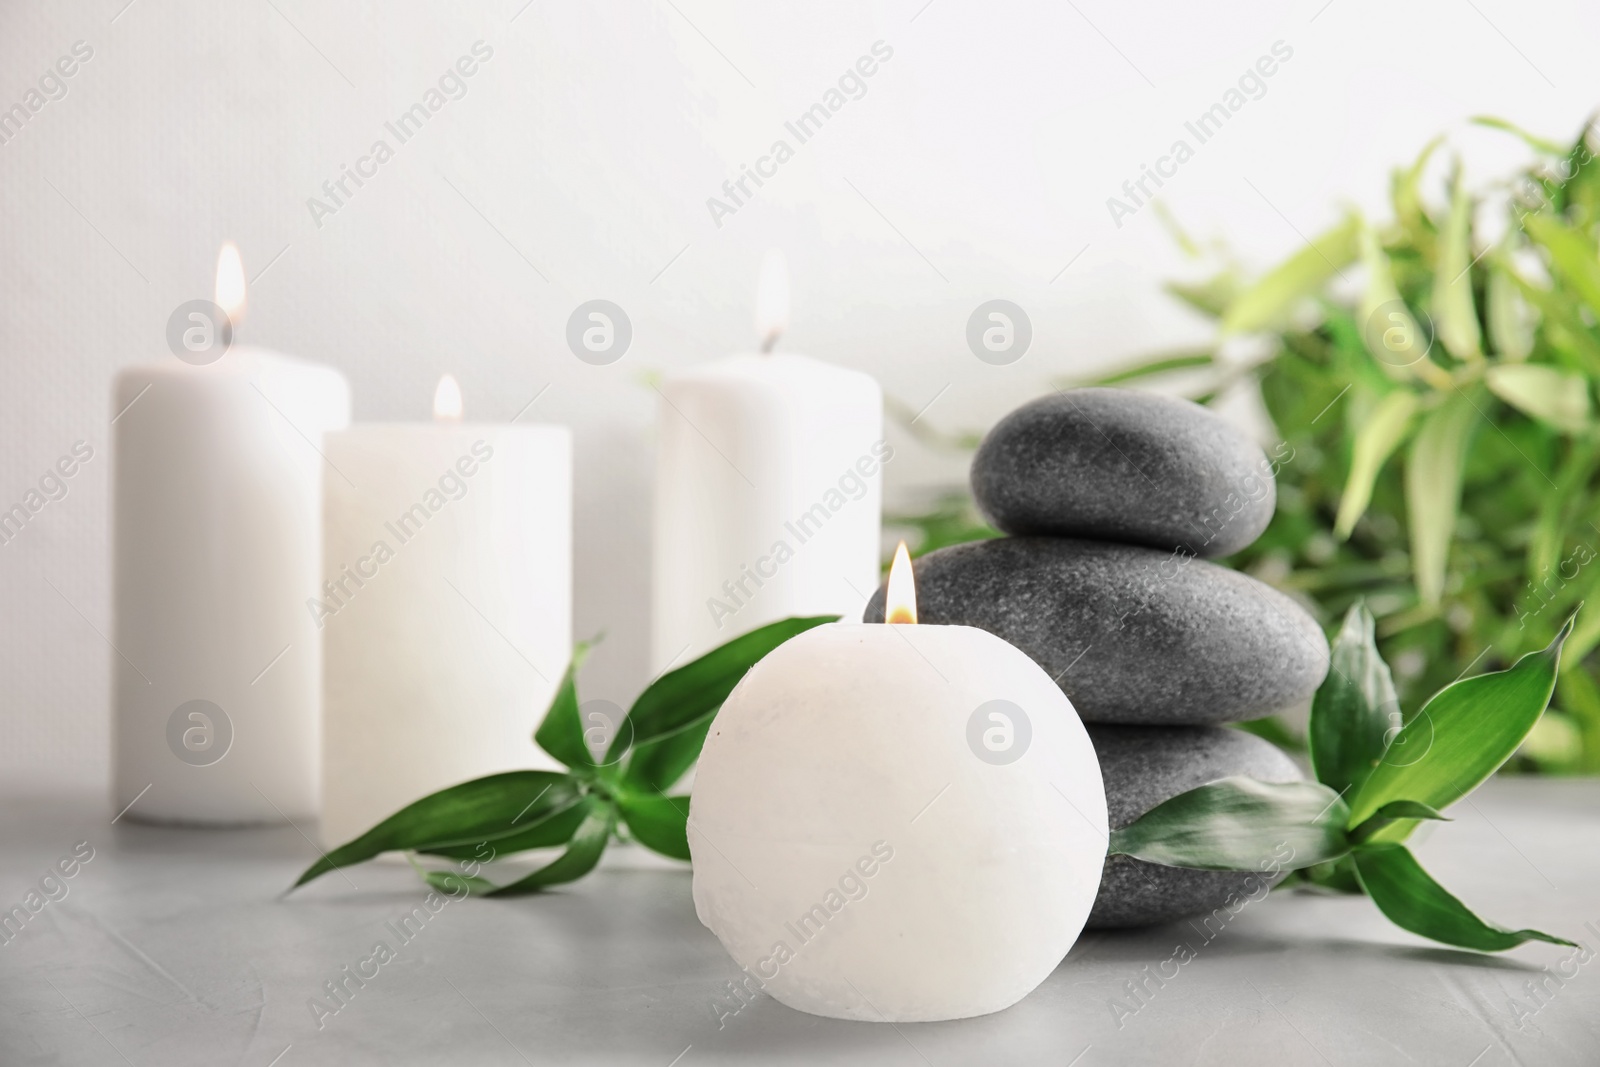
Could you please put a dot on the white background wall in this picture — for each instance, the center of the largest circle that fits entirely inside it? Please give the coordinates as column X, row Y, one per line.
column 578, row 165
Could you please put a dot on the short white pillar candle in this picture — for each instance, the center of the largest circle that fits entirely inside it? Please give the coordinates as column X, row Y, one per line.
column 446, row 607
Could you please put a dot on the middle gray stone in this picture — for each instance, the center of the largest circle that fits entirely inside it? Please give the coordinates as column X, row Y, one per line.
column 1132, row 635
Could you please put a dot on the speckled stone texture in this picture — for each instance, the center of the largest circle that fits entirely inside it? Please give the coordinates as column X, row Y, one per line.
column 1143, row 766
column 1132, row 635
column 1124, row 466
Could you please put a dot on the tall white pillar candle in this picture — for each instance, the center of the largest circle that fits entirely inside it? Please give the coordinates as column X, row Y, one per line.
column 447, row 607
column 216, row 542
column 768, row 495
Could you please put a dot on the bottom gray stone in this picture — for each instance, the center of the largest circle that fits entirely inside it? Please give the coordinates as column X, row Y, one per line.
column 1145, row 765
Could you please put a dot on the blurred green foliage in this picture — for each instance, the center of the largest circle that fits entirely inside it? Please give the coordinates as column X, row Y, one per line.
column 1434, row 375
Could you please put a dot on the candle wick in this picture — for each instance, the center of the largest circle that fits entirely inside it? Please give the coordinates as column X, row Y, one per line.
column 770, row 342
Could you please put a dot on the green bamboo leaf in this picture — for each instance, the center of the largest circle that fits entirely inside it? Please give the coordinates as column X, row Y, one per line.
column 683, row 697
column 1338, row 876
column 1512, row 322
column 1579, row 193
column 561, row 731
column 545, row 830
column 1572, row 256
column 581, row 856
column 1585, row 638
column 1411, row 899
column 1561, row 316
column 452, row 883
column 1405, row 190
column 1351, row 712
column 1537, row 143
column 1375, row 442
column 1239, row 824
column 1461, row 736
column 1210, row 296
column 1454, row 316
column 657, row 765
column 1543, row 392
column 1560, row 508
column 1270, row 301
column 1433, row 490
column 484, row 809
column 1352, row 362
column 1391, row 813
column 1162, row 365
column 1175, row 230
column 1579, row 696
column 658, row 822
column 1388, row 331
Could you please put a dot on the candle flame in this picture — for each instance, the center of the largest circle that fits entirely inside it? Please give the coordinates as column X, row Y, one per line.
column 900, row 603
column 447, row 400
column 230, row 283
column 772, row 299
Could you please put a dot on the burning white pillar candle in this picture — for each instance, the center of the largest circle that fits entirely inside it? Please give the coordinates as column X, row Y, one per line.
column 216, row 542
column 897, row 823
column 447, row 607
column 768, row 490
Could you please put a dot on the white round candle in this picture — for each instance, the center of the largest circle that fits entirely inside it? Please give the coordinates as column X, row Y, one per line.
column 446, row 610
column 897, row 822
column 216, row 542
column 769, row 490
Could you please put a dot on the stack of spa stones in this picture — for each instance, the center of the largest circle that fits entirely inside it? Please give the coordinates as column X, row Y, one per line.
column 1112, row 500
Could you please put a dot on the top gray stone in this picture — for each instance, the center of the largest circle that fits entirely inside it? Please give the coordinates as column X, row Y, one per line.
column 1131, row 467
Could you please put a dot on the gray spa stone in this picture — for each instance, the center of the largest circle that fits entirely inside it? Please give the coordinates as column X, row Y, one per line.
column 1131, row 635
column 1143, row 766
column 1118, row 465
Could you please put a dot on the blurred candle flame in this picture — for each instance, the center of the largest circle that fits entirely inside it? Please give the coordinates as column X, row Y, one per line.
column 447, row 400
column 900, row 603
column 230, row 295
column 772, row 299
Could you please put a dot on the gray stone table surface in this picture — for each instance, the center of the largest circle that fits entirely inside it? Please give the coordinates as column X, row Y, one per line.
column 175, row 947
